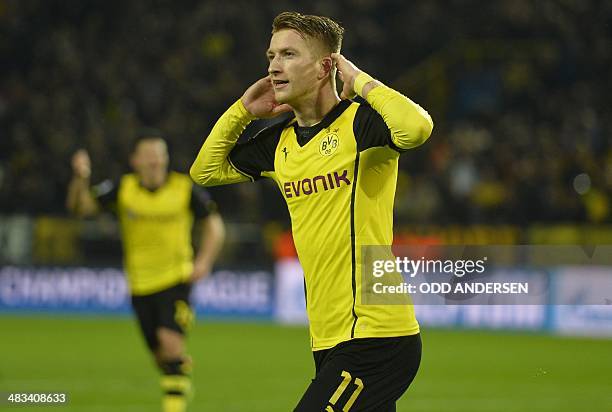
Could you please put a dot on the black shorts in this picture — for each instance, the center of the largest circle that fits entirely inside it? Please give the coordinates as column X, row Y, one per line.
column 169, row 308
column 362, row 375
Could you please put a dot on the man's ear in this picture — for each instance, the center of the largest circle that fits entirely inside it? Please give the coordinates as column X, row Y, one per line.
column 327, row 66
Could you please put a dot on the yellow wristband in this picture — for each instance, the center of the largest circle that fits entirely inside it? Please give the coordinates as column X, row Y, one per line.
column 360, row 81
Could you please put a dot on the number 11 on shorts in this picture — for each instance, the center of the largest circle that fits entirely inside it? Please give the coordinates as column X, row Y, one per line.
column 346, row 380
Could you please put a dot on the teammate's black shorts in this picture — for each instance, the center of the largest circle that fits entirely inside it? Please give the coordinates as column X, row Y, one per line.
column 362, row 375
column 169, row 308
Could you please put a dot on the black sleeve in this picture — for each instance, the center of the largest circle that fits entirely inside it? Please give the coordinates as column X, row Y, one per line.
column 371, row 130
column 257, row 154
column 201, row 203
column 106, row 193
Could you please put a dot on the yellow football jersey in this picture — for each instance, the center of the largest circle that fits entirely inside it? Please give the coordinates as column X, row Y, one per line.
column 156, row 229
column 338, row 179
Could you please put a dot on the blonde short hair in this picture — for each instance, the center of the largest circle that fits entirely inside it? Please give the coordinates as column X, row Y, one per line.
column 324, row 29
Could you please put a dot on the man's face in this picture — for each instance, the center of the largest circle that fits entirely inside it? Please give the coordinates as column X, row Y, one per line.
column 150, row 160
column 294, row 66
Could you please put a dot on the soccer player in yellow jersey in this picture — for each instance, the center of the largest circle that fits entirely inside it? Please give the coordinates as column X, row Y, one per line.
column 156, row 210
column 335, row 162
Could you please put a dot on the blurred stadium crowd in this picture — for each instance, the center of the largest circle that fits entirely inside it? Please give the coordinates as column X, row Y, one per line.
column 518, row 90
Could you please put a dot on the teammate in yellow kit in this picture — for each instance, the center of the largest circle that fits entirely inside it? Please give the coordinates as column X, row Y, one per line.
column 156, row 210
column 335, row 162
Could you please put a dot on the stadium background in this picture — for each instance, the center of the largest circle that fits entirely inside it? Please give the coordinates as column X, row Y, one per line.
column 521, row 154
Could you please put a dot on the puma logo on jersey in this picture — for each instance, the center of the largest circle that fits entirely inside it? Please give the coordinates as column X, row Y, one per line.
column 309, row 186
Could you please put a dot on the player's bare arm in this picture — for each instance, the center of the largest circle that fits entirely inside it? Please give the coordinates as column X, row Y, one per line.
column 211, row 242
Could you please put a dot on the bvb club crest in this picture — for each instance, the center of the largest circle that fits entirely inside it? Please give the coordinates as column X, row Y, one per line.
column 329, row 144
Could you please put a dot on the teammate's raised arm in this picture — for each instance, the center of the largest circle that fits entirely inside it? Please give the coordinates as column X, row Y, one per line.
column 409, row 123
column 79, row 200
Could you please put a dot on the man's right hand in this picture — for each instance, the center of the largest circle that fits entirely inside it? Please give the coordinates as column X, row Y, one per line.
column 260, row 102
column 81, row 164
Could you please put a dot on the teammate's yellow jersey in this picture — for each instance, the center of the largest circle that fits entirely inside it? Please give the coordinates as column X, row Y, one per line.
column 338, row 179
column 156, row 229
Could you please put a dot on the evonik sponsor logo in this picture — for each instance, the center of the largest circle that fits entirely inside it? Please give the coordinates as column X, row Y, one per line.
column 318, row 183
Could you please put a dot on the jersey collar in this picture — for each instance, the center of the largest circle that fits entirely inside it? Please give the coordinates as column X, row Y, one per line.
column 305, row 133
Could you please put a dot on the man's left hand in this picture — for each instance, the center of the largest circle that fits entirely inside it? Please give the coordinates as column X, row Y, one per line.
column 347, row 72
